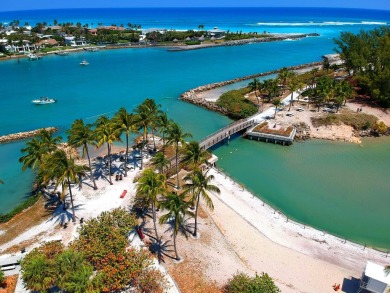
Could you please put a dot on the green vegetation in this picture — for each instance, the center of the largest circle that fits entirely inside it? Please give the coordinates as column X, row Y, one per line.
column 236, row 104
column 98, row 261
column 242, row 283
column 193, row 42
column 357, row 121
column 242, row 36
column 48, row 49
column 366, row 56
column 2, row 278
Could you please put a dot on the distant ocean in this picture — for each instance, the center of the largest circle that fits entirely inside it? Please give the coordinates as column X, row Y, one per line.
column 126, row 77
column 234, row 19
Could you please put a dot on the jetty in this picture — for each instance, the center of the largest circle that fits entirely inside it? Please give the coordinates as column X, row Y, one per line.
column 23, row 135
column 270, row 38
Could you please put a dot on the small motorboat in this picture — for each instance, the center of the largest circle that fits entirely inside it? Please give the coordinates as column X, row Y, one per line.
column 32, row 56
column 44, row 101
column 84, row 63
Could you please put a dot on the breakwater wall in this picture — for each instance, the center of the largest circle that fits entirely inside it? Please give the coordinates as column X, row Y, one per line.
column 273, row 38
column 192, row 97
column 23, row 135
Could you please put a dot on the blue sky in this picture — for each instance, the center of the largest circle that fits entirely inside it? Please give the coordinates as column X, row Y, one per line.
column 51, row 4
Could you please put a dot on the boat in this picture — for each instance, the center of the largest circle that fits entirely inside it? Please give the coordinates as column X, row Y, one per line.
column 62, row 53
column 44, row 101
column 84, row 63
column 32, row 57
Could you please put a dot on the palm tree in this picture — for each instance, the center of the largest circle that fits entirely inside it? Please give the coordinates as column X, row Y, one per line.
column 160, row 162
column 256, row 86
column 277, row 103
column 293, row 85
column 80, row 135
column 175, row 137
column 177, row 210
column 147, row 114
column 387, row 270
column 283, row 75
column 198, row 185
column 150, row 185
column 57, row 166
column 105, row 132
column 163, row 124
column 313, row 76
column 154, row 111
column 193, row 155
column 40, row 145
column 126, row 123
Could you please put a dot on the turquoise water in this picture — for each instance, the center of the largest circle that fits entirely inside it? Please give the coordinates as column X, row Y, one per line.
column 336, row 187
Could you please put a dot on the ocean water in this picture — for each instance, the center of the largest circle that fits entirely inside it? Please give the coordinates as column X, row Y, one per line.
column 311, row 193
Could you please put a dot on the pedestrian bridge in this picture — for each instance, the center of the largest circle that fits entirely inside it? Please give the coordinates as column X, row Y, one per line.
column 226, row 132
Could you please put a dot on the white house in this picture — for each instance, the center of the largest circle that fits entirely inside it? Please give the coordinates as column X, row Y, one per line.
column 374, row 279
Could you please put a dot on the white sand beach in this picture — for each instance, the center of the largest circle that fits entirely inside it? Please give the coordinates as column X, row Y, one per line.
column 242, row 234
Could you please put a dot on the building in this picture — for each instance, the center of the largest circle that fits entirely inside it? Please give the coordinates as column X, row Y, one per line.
column 73, row 42
column 374, row 279
column 216, row 33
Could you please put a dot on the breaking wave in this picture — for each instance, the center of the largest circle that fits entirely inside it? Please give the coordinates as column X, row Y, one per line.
column 325, row 23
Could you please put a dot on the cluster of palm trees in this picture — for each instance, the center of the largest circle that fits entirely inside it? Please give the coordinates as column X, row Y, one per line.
column 322, row 89
column 152, row 188
column 329, row 91
column 51, row 163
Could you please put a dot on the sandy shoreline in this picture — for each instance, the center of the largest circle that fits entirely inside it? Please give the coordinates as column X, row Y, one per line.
column 256, row 238
column 242, row 233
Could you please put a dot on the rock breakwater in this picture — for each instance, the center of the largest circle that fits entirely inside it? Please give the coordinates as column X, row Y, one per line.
column 272, row 38
column 23, row 135
column 192, row 97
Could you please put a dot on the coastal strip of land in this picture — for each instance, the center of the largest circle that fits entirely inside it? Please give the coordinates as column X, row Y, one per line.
column 192, row 96
column 23, row 135
column 272, row 38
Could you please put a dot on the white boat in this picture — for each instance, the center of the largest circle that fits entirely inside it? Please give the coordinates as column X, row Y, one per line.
column 44, row 101
column 32, row 56
column 84, row 63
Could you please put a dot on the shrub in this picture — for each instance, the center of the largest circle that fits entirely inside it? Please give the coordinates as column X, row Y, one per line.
column 2, row 278
column 357, row 121
column 102, row 247
column 236, row 104
column 242, row 283
column 193, row 42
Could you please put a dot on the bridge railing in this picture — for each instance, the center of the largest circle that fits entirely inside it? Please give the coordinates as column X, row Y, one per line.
column 226, row 131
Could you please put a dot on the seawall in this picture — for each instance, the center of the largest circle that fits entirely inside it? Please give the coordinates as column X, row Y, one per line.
column 23, row 135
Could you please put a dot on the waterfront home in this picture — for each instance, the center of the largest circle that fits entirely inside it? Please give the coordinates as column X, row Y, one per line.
column 374, row 279
column 216, row 33
column 17, row 47
column 73, row 42
column 93, row 31
column 47, row 43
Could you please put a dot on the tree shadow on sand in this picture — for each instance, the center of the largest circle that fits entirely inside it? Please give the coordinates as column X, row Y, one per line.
column 185, row 229
column 59, row 210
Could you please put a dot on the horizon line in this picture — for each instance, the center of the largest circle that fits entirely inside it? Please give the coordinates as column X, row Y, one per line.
column 192, row 7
